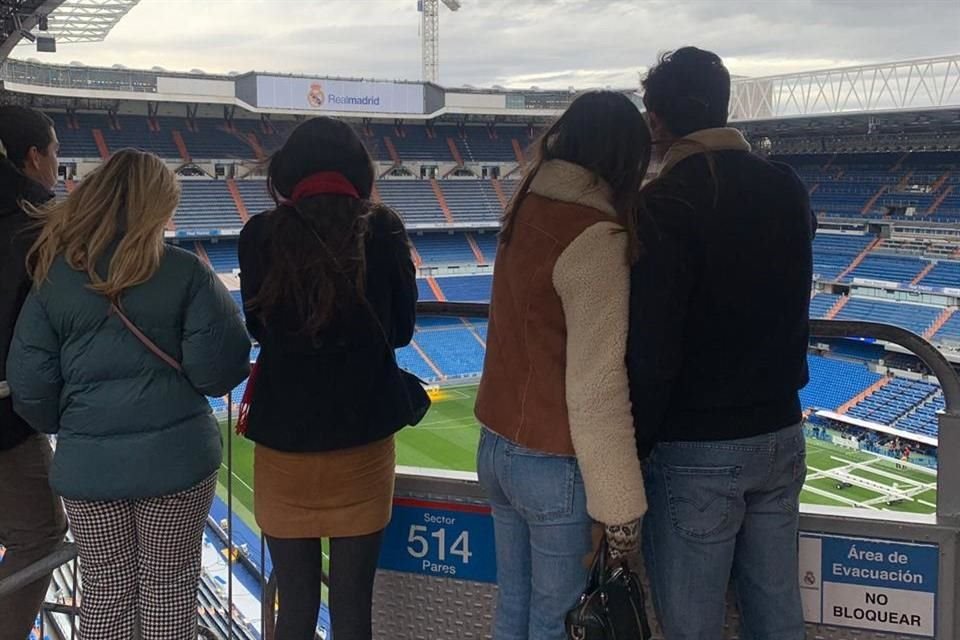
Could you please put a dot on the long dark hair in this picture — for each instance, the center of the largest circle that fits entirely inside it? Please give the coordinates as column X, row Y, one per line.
column 317, row 245
column 603, row 132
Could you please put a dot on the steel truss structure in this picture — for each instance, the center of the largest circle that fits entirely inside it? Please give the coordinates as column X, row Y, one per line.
column 909, row 85
column 87, row 20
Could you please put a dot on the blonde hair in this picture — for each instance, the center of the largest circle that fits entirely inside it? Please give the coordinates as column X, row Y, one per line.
column 130, row 199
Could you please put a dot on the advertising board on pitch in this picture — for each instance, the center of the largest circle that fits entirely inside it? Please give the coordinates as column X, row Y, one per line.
column 870, row 584
column 323, row 94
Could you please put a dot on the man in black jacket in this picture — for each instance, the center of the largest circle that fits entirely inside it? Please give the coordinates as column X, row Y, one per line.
column 717, row 355
column 31, row 518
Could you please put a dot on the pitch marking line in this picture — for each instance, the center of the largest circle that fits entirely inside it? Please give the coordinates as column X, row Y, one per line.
column 236, row 477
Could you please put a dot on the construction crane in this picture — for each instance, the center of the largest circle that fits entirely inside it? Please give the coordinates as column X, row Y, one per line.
column 430, row 35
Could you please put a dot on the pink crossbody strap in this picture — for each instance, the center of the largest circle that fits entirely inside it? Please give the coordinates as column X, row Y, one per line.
column 147, row 342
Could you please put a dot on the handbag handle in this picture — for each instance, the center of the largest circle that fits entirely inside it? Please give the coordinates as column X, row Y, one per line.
column 598, row 569
column 144, row 340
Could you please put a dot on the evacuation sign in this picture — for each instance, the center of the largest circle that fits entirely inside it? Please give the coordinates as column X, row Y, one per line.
column 870, row 584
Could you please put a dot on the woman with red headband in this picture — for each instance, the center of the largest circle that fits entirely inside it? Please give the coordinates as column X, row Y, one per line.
column 329, row 290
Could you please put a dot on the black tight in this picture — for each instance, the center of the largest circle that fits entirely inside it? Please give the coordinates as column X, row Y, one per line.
column 298, row 562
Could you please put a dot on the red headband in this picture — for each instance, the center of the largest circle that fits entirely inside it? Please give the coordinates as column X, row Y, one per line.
column 322, row 183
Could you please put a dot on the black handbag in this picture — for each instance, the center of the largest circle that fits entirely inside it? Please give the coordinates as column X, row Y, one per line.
column 612, row 607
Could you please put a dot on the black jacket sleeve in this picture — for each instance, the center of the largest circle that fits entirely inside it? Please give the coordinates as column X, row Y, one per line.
column 403, row 283
column 661, row 286
column 250, row 256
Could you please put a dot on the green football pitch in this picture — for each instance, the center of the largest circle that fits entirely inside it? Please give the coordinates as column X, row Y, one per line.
column 448, row 436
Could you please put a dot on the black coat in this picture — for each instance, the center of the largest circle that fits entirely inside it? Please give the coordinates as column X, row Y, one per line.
column 719, row 303
column 342, row 388
column 18, row 231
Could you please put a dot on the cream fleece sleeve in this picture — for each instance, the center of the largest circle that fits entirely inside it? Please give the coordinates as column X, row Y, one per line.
column 592, row 278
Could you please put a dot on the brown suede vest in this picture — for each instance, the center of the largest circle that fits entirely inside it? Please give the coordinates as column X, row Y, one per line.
column 522, row 395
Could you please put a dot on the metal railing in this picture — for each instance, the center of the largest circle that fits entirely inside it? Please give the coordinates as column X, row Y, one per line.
column 945, row 532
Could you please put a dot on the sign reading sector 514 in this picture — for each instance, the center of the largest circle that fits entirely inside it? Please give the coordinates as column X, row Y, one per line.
column 871, row 584
column 442, row 539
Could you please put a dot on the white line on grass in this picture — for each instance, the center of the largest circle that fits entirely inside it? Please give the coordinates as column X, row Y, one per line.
column 446, row 423
column 234, row 474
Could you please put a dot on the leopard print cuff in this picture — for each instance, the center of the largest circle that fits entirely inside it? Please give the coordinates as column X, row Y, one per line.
column 623, row 539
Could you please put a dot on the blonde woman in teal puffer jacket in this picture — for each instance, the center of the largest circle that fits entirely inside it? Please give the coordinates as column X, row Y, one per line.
column 138, row 446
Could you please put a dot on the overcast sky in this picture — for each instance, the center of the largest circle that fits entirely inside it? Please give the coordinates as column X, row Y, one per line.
column 519, row 43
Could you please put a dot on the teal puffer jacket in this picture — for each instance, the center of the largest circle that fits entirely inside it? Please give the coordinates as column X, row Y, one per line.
column 129, row 425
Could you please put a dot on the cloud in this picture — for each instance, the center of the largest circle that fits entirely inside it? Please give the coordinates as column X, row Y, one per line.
column 548, row 43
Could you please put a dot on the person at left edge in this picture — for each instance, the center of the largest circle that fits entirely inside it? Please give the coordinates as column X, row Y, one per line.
column 138, row 446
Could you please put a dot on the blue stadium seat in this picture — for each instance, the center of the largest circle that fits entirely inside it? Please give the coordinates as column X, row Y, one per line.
column 488, row 244
column 413, row 199
column 206, row 205
column 834, row 382
column 944, row 274
column 472, row 200
column 222, row 254
column 910, row 405
column 454, row 350
column 466, row 288
column 255, row 195
column 914, row 317
column 889, row 268
column 444, row 249
column 832, row 253
column 821, row 303
column 74, row 143
column 950, row 332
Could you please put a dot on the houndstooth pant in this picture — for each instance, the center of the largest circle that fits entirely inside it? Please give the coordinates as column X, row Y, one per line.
column 141, row 558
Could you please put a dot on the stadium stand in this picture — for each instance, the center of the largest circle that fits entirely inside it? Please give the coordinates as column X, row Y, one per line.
column 950, row 331
column 222, row 255
column 444, row 249
column 255, row 196
column 909, row 405
column 482, row 145
column 471, row 200
column 918, row 185
column 466, row 288
column 887, row 268
column 454, row 350
column 488, row 244
column 206, row 206
column 833, row 253
column 413, row 199
column 916, row 318
column 426, row 294
column 74, row 142
column 822, row 303
column 943, row 274
column 833, row 382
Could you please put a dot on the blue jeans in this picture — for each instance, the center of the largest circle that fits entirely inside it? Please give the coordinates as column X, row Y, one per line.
column 542, row 533
column 720, row 511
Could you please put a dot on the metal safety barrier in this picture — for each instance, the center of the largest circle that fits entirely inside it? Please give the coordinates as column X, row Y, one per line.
column 437, row 571
column 417, row 597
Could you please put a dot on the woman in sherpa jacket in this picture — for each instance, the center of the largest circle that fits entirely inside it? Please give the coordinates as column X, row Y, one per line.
column 558, row 451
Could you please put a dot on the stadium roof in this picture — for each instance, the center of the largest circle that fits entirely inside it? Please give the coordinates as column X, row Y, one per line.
column 902, row 86
column 87, row 20
column 68, row 20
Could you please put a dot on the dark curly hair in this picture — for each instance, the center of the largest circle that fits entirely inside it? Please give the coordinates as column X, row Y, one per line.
column 689, row 90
